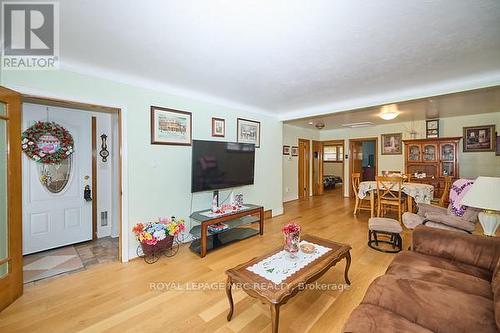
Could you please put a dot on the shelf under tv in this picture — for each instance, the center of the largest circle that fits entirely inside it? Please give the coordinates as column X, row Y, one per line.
column 239, row 227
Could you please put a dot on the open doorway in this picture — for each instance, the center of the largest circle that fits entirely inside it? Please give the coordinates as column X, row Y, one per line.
column 333, row 166
column 363, row 158
column 71, row 209
column 328, row 167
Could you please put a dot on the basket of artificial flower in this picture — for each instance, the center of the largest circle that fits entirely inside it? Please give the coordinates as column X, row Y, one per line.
column 156, row 238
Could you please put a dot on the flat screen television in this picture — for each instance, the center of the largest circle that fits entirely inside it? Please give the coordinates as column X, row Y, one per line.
column 219, row 165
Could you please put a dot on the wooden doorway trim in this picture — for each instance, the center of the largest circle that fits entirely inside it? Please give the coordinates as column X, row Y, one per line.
column 317, row 169
column 94, row 178
column 11, row 285
column 26, row 98
column 335, row 142
column 351, row 141
column 304, row 182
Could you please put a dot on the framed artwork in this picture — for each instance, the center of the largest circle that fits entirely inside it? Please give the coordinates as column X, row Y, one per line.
column 295, row 151
column 248, row 131
column 218, row 127
column 498, row 146
column 432, row 128
column 479, row 138
column 286, row 150
column 391, row 144
column 170, row 127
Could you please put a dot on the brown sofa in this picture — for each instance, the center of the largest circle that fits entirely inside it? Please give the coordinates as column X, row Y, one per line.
column 449, row 282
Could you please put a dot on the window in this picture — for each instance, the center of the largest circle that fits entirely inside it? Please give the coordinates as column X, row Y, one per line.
column 333, row 153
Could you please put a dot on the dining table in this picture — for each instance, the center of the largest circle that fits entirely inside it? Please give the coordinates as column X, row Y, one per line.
column 416, row 192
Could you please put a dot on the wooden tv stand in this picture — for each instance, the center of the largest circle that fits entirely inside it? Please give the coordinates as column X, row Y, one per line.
column 239, row 224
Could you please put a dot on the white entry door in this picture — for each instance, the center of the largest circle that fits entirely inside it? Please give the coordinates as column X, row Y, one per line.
column 55, row 212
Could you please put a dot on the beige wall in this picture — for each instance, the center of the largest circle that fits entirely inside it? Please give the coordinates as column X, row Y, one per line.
column 291, row 136
column 471, row 164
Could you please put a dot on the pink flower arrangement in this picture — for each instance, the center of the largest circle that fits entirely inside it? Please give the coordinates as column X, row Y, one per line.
column 291, row 228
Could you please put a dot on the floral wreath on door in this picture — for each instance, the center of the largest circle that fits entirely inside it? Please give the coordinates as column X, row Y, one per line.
column 47, row 143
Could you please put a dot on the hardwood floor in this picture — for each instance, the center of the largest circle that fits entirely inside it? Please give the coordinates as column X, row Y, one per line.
column 117, row 297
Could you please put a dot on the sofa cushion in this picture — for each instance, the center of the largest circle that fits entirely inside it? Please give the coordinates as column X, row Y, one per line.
column 437, row 307
column 374, row 319
column 442, row 226
column 418, row 259
column 461, row 281
column 451, row 220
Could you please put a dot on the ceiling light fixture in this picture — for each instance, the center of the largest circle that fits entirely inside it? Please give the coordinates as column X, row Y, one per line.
column 389, row 112
column 320, row 125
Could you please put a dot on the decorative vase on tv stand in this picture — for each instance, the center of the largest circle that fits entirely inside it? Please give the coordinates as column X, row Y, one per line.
column 291, row 234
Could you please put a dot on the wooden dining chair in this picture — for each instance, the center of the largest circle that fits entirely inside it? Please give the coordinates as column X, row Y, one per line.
column 407, row 178
column 355, row 180
column 443, row 200
column 390, row 195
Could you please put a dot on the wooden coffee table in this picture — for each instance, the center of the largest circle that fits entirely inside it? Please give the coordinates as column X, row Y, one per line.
column 277, row 295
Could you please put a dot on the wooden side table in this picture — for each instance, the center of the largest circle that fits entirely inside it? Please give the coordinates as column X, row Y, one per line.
column 277, row 295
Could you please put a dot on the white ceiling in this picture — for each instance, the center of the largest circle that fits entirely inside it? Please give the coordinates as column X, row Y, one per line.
column 290, row 58
column 452, row 105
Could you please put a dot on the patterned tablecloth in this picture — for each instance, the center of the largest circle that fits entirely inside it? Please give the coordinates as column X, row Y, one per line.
column 280, row 266
column 421, row 193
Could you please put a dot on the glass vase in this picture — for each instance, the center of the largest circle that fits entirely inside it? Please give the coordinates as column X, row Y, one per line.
column 291, row 246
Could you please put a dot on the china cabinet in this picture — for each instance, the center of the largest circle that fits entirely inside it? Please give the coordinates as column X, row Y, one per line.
column 436, row 158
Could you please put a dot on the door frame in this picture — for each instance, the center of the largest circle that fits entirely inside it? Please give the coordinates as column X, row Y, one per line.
column 307, row 172
column 11, row 285
column 351, row 141
column 317, row 175
column 331, row 143
column 121, row 186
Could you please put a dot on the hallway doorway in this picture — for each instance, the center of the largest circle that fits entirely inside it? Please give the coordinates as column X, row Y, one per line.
column 363, row 159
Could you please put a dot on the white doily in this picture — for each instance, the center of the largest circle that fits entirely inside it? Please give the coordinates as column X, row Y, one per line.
column 280, row 266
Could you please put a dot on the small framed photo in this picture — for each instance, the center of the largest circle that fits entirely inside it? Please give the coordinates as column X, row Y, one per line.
column 248, row 131
column 432, row 128
column 479, row 138
column 170, row 127
column 295, row 151
column 391, row 144
column 286, row 150
column 218, row 127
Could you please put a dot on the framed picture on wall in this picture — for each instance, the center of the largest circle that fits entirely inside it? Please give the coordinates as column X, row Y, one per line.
column 432, row 128
column 170, row 127
column 286, row 150
column 218, row 127
column 391, row 144
column 295, row 151
column 248, row 131
column 479, row 138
